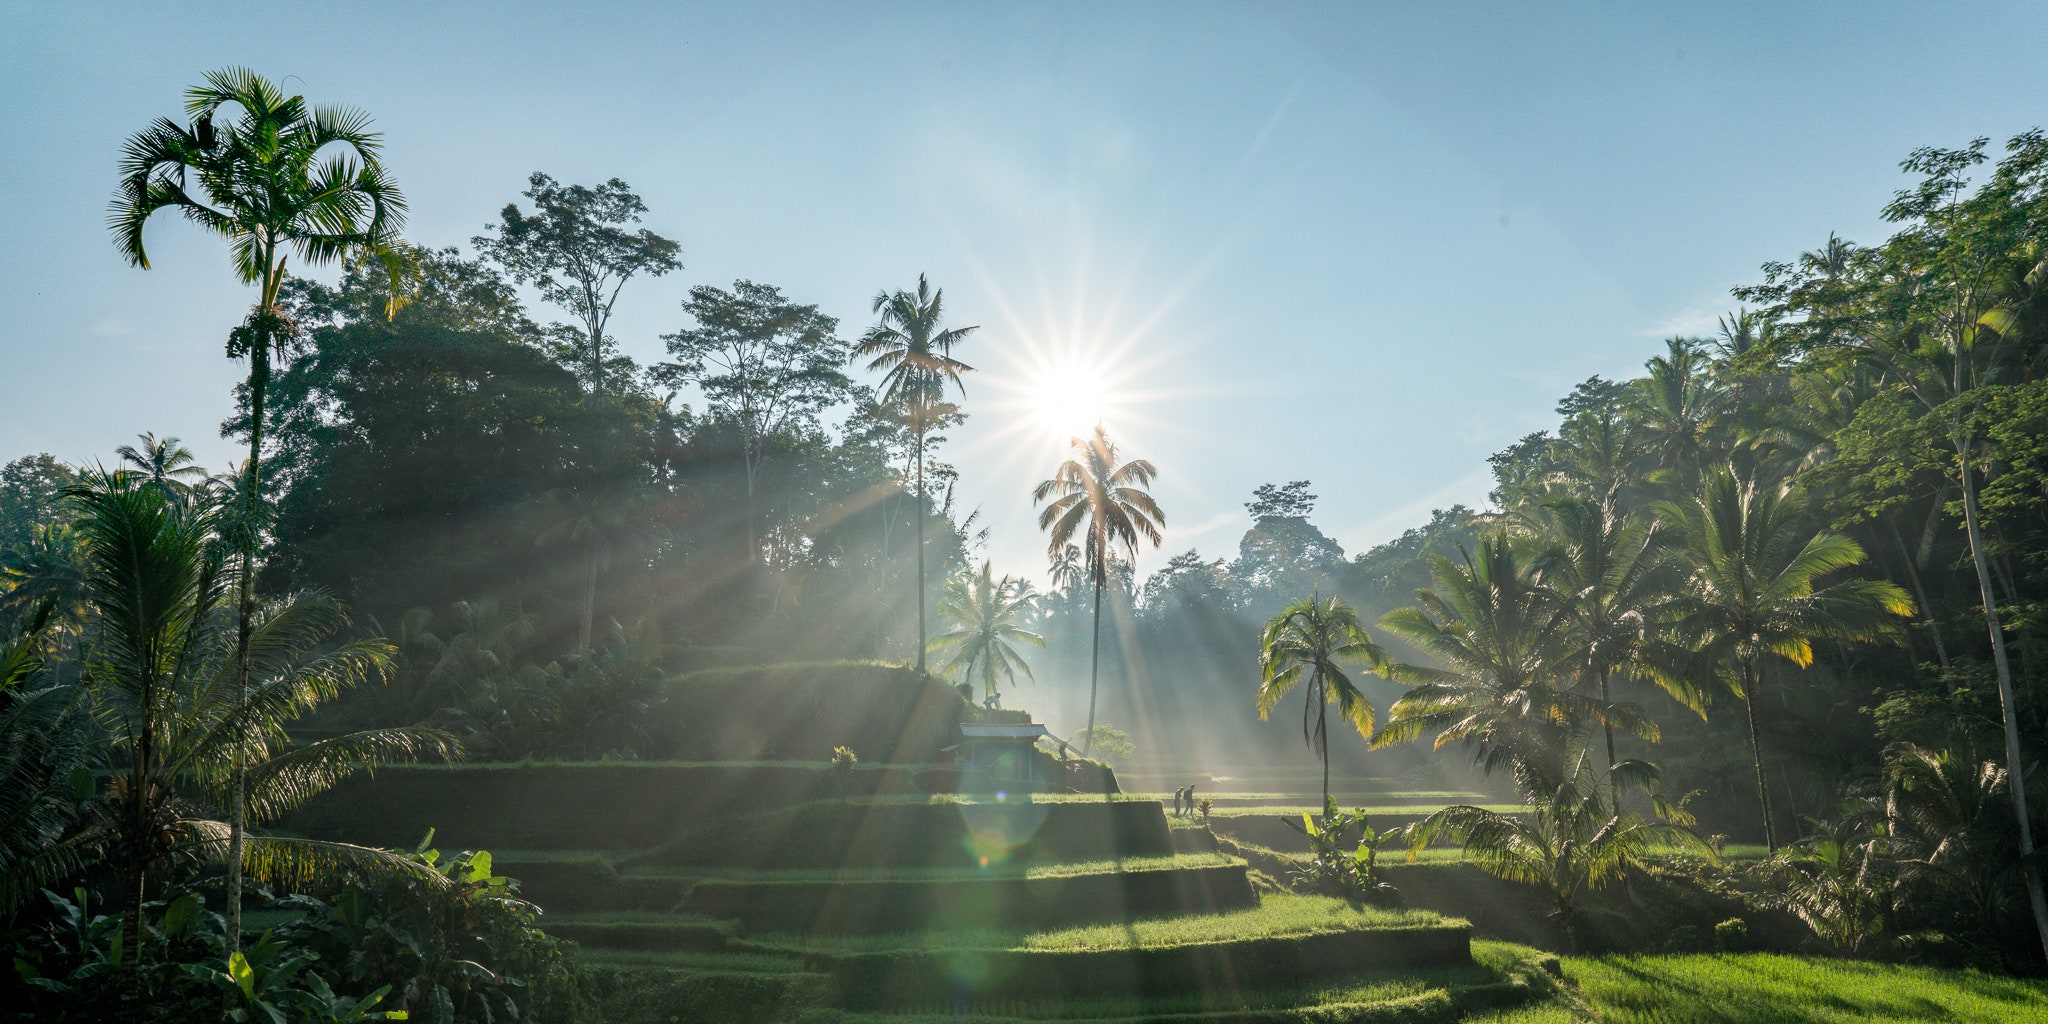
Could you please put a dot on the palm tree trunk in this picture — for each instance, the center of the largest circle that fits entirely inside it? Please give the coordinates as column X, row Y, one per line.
column 1094, row 667
column 1756, row 748
column 131, row 943
column 245, row 613
column 1926, row 608
column 589, row 597
column 2015, row 769
column 1608, row 727
column 920, row 546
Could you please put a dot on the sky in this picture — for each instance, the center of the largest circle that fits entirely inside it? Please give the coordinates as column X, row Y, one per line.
column 1361, row 244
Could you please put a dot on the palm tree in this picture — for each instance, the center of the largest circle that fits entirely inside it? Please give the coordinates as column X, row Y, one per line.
column 987, row 611
column 1755, row 593
column 1109, row 499
column 915, row 352
column 166, row 684
column 1312, row 638
column 1572, row 839
column 1615, row 587
column 168, row 464
column 1945, row 825
column 1504, row 641
column 280, row 179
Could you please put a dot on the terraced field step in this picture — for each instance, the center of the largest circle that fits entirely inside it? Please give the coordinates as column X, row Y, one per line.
column 885, row 900
column 1284, row 940
column 1345, row 799
column 925, row 832
column 687, row 986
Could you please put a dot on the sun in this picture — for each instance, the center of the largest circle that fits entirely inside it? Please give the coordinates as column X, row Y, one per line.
column 1068, row 399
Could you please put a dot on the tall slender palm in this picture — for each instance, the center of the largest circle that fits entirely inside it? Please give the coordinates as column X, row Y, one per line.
column 1574, row 838
column 166, row 682
column 1110, row 500
column 168, row 464
column 1503, row 639
column 1313, row 638
column 279, row 179
column 913, row 348
column 986, row 612
column 1616, row 588
column 1755, row 591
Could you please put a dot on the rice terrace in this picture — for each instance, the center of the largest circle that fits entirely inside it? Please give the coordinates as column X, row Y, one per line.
column 1039, row 513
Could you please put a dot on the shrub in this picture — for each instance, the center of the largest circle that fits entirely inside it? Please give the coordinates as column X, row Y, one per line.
column 1732, row 935
column 65, row 956
column 466, row 950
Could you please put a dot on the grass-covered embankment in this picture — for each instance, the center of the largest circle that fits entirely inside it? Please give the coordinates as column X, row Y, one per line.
column 1283, row 941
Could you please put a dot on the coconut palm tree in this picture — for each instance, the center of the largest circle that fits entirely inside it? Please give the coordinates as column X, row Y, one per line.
column 1616, row 588
column 914, row 351
column 1503, row 640
column 165, row 682
column 1572, row 839
column 1755, row 594
column 276, row 180
column 168, row 464
column 1109, row 499
column 1312, row 639
column 986, row 611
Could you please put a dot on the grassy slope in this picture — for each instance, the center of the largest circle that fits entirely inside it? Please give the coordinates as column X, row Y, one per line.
column 1277, row 915
column 1775, row 989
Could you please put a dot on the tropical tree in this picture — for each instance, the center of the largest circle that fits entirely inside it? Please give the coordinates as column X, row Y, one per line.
column 1613, row 584
column 168, row 464
column 913, row 348
column 1979, row 278
column 767, row 364
column 279, row 179
column 986, row 612
column 1573, row 838
column 1756, row 590
column 1106, row 504
column 166, row 683
column 579, row 248
column 1307, row 645
column 1503, row 640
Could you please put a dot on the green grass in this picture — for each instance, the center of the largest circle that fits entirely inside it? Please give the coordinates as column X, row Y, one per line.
column 1297, row 809
column 1276, row 916
column 1769, row 988
column 1061, row 869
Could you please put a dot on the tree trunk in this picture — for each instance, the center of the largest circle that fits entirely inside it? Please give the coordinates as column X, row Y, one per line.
column 245, row 612
column 1608, row 727
column 589, row 597
column 920, row 547
column 134, row 877
column 2008, row 705
column 1094, row 667
column 1926, row 608
column 1750, row 683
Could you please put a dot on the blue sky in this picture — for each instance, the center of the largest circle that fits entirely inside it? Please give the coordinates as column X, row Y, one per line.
column 1363, row 244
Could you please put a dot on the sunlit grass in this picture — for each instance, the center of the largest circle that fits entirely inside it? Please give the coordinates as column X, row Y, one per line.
column 1773, row 989
column 1276, row 916
column 1063, row 869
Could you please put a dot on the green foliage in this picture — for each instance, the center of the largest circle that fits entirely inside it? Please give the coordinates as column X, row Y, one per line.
column 792, row 711
column 1331, row 870
column 452, row 941
column 1108, row 741
column 986, row 611
column 64, row 956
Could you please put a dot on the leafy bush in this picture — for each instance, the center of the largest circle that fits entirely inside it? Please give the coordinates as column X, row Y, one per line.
column 1332, row 870
column 1107, row 742
column 1732, row 935
column 465, row 949
column 66, row 958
